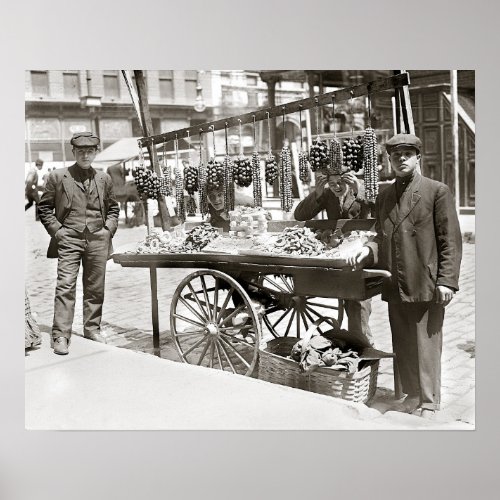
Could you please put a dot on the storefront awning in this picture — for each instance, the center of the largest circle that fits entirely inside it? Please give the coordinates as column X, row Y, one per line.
column 127, row 149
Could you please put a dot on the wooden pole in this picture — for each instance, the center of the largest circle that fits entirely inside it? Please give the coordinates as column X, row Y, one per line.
column 147, row 127
column 290, row 107
column 454, row 136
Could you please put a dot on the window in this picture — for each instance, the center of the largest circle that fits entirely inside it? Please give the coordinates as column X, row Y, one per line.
column 191, row 80
column 40, row 83
column 71, row 85
column 166, row 84
column 251, row 80
column 111, row 85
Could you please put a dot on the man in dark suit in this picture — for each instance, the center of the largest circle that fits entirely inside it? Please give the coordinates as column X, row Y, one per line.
column 79, row 211
column 419, row 241
column 343, row 197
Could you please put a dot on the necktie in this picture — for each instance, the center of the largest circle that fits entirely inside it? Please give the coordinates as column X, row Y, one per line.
column 86, row 180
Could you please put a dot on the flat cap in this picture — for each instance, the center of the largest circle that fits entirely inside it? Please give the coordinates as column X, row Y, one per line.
column 408, row 140
column 81, row 139
column 39, row 161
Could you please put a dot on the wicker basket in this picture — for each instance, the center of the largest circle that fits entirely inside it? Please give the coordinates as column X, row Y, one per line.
column 275, row 367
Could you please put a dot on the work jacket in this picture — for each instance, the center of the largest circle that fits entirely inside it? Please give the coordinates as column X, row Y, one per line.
column 56, row 202
column 418, row 240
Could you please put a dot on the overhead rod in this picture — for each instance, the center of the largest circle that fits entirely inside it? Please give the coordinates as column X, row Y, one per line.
column 395, row 81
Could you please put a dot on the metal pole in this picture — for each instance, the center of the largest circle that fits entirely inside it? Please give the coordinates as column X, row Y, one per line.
column 454, row 136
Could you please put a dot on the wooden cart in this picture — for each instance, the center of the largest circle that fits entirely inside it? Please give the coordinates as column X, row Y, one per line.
column 221, row 311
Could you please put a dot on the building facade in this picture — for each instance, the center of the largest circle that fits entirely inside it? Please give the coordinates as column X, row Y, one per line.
column 60, row 103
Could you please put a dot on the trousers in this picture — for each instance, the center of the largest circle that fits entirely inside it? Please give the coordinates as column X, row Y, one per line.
column 417, row 341
column 358, row 316
column 91, row 251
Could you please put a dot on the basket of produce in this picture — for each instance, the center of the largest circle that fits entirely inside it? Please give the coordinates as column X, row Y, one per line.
column 325, row 364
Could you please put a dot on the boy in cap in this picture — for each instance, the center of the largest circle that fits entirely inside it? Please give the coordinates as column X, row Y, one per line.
column 79, row 211
column 342, row 195
column 419, row 241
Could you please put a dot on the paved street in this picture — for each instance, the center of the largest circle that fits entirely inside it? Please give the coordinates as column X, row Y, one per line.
column 127, row 317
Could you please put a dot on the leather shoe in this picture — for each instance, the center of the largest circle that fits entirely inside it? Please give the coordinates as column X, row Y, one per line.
column 96, row 337
column 411, row 404
column 428, row 414
column 60, row 345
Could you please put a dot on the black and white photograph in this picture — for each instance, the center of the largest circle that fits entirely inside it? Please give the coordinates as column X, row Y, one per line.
column 256, row 255
column 293, row 249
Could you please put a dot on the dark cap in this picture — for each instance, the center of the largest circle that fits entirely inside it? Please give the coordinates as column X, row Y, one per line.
column 408, row 140
column 82, row 139
column 39, row 161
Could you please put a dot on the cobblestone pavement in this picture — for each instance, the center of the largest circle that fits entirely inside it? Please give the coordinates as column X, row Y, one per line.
column 127, row 317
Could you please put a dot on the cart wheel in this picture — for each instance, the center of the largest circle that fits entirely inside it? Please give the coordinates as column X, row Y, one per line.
column 289, row 313
column 214, row 323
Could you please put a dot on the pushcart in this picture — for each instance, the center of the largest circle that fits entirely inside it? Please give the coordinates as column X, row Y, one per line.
column 221, row 311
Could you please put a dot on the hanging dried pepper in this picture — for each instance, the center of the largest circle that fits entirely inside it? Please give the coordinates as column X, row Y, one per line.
column 285, row 180
column 228, row 183
column 336, row 160
column 257, row 184
column 179, row 194
column 304, row 170
column 370, row 167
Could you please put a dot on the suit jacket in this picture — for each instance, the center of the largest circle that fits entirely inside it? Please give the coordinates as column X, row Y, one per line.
column 56, row 202
column 418, row 241
column 353, row 207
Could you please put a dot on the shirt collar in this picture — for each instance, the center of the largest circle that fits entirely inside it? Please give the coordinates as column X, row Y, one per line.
column 84, row 173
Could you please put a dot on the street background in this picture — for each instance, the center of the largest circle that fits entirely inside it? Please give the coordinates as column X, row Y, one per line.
column 127, row 315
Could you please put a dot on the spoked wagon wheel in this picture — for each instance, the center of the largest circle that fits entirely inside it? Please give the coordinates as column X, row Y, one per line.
column 214, row 324
column 290, row 314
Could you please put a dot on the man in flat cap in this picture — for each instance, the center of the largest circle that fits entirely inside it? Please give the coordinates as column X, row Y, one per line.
column 342, row 195
column 419, row 241
column 79, row 211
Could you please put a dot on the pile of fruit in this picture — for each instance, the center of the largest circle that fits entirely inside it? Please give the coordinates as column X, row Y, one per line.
column 166, row 180
column 199, row 236
column 242, row 172
column 318, row 155
column 215, row 175
column 178, row 242
column 248, row 221
column 271, row 169
column 329, row 237
column 293, row 241
column 191, row 179
column 147, row 182
column 161, row 243
column 352, row 151
column 304, row 171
